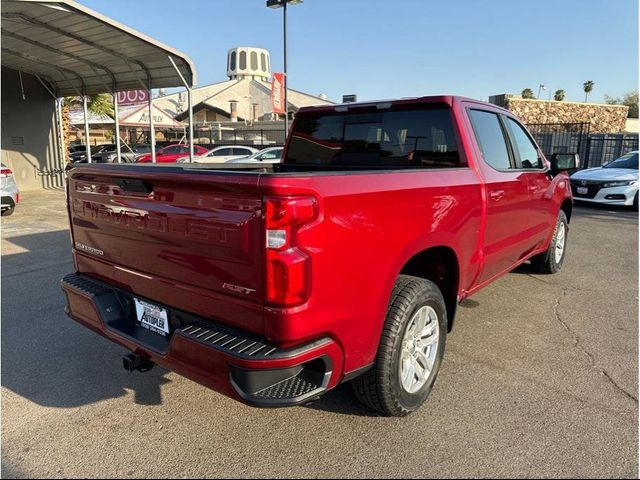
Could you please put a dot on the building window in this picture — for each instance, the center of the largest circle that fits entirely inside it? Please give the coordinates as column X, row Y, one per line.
column 254, row 60
column 233, row 61
column 243, row 60
column 263, row 59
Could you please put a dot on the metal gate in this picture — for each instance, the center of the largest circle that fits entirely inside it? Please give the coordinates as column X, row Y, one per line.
column 561, row 137
column 595, row 149
column 602, row 148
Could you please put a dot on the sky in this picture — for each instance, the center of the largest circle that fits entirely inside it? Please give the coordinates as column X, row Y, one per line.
column 390, row 49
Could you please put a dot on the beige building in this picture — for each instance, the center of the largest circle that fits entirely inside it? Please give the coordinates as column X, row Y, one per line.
column 245, row 96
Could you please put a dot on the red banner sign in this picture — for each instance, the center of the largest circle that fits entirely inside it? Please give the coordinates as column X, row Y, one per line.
column 277, row 93
column 131, row 97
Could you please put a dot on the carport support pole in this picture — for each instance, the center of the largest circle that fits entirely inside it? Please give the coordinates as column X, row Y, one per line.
column 63, row 147
column 58, row 100
column 190, row 101
column 116, row 115
column 152, row 132
column 86, row 128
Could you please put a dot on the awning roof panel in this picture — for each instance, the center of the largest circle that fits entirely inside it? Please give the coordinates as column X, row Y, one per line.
column 81, row 51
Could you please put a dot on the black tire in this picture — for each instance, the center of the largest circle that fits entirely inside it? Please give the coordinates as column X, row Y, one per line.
column 8, row 211
column 635, row 201
column 380, row 388
column 546, row 262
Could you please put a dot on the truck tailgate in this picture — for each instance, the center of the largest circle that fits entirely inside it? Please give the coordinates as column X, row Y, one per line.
column 191, row 237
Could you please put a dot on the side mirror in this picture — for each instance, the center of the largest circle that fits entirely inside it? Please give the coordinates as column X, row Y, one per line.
column 561, row 162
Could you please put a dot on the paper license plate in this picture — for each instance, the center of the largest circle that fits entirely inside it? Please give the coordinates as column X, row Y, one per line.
column 152, row 317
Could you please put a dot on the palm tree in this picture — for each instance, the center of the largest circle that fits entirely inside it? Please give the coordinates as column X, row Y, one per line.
column 559, row 95
column 527, row 93
column 587, row 87
column 99, row 104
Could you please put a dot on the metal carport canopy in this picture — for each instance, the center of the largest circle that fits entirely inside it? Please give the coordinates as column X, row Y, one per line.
column 79, row 51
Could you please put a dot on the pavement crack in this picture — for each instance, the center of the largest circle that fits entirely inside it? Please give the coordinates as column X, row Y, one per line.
column 531, row 275
column 577, row 342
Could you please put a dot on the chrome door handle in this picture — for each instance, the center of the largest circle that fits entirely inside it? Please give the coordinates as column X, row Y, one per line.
column 496, row 195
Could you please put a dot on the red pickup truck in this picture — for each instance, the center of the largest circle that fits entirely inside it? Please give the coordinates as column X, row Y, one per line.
column 274, row 283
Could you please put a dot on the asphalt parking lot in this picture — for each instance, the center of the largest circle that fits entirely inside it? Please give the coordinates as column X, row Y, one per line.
column 539, row 380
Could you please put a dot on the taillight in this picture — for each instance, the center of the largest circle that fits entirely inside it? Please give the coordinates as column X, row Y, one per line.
column 288, row 267
column 5, row 172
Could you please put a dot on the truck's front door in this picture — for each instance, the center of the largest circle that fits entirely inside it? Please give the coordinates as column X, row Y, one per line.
column 506, row 236
column 541, row 218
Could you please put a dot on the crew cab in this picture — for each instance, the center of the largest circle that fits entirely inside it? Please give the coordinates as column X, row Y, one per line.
column 275, row 283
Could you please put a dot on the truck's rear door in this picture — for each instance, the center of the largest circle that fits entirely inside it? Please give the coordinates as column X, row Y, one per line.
column 188, row 238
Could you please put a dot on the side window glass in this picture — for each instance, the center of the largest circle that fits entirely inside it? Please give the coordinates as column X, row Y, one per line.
column 490, row 136
column 527, row 151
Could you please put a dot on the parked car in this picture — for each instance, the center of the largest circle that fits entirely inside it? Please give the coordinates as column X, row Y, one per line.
column 221, row 154
column 615, row 183
column 345, row 262
column 75, row 148
column 110, row 153
column 80, row 154
column 8, row 190
column 138, row 151
column 266, row 155
column 171, row 153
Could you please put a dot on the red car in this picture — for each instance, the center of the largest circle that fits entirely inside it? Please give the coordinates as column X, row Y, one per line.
column 275, row 283
column 171, row 153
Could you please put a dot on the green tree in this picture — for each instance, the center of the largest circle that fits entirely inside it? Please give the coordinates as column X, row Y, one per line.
column 527, row 93
column 629, row 99
column 588, row 88
column 559, row 95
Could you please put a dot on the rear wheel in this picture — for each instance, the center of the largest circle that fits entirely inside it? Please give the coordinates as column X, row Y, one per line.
column 410, row 350
column 551, row 260
column 8, row 211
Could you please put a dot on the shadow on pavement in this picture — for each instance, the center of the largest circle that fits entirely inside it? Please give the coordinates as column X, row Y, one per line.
column 341, row 400
column 596, row 211
column 46, row 357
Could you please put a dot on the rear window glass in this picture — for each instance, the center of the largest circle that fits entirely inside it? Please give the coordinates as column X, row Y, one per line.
column 382, row 138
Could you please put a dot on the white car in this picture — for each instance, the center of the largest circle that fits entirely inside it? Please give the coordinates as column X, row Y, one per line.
column 267, row 155
column 221, row 154
column 8, row 190
column 615, row 183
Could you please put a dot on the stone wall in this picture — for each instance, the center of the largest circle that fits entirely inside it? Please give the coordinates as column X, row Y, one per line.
column 603, row 118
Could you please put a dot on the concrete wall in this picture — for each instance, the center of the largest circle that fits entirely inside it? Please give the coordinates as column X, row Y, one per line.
column 29, row 138
column 632, row 125
column 602, row 117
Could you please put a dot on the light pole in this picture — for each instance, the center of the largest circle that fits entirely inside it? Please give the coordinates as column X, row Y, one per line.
column 540, row 87
column 283, row 4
